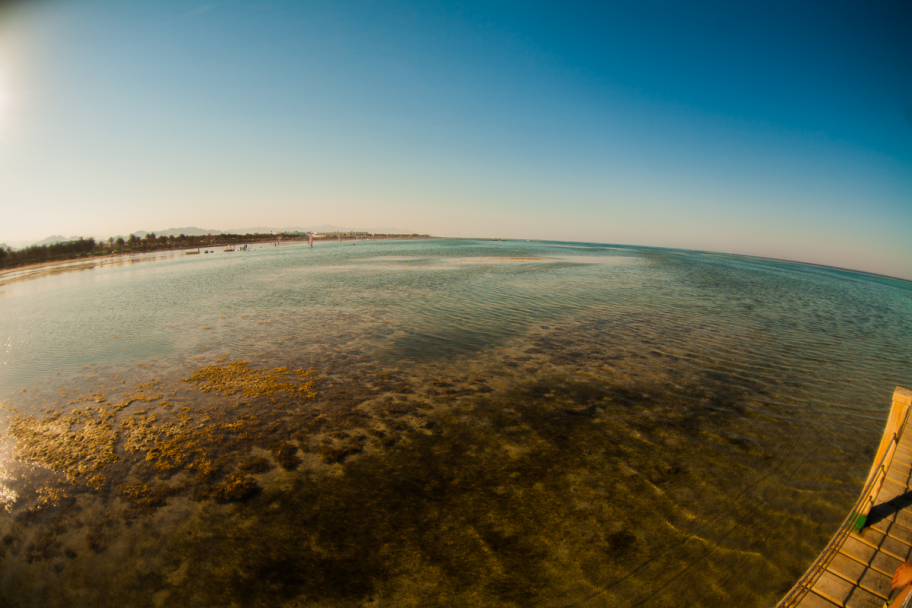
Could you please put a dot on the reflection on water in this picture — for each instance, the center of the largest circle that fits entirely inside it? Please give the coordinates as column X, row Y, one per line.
column 436, row 423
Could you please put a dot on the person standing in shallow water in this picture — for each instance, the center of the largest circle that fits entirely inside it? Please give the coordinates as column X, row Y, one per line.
column 902, row 578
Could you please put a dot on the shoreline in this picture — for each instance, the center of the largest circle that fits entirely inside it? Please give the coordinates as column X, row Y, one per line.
column 95, row 260
column 107, row 256
column 99, row 259
column 227, row 239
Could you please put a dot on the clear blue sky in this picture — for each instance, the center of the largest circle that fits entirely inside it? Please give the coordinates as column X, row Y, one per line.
column 771, row 129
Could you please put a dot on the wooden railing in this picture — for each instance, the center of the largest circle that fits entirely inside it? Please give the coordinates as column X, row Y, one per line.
column 893, row 431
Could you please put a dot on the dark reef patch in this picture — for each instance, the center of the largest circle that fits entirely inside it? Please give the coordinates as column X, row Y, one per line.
column 483, row 486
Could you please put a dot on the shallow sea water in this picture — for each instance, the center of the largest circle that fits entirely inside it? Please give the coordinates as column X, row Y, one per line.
column 435, row 423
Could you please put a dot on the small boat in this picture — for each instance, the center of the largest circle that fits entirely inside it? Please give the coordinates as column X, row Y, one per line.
column 228, row 248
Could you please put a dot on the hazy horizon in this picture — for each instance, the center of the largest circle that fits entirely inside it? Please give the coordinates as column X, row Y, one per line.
column 764, row 129
column 196, row 230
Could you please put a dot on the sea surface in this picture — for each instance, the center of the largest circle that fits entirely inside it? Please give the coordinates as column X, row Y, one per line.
column 435, row 423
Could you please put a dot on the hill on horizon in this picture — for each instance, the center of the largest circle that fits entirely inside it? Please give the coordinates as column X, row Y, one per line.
column 318, row 229
column 55, row 238
column 194, row 231
column 187, row 231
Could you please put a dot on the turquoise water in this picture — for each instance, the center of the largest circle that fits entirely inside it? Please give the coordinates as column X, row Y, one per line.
column 494, row 423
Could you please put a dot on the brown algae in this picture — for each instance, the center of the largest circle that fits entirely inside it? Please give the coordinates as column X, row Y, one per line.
column 159, row 442
column 233, row 378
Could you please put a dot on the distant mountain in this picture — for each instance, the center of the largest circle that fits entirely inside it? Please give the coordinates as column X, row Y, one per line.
column 325, row 228
column 261, row 230
column 270, row 229
column 188, row 231
column 319, row 229
column 387, row 230
column 322, row 228
column 57, row 238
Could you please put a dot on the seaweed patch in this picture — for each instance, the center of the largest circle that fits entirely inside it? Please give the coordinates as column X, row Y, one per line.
column 232, row 378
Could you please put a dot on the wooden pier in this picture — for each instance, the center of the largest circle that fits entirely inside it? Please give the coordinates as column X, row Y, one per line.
column 856, row 568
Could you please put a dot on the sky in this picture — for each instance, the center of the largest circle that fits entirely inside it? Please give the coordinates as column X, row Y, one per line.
column 775, row 129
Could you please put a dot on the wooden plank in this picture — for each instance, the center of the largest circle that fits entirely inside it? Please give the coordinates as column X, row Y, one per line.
column 899, row 460
column 887, row 564
column 843, row 593
column 833, row 588
column 863, row 599
column 891, row 528
column 812, row 600
column 890, row 490
column 888, row 496
column 899, row 473
column 902, row 459
column 899, row 456
column 900, row 476
column 896, row 548
column 894, row 510
column 856, row 573
column 899, row 467
column 904, row 518
column 903, row 483
column 899, row 487
column 868, row 556
column 887, row 544
column 858, row 550
column 870, row 536
column 897, row 477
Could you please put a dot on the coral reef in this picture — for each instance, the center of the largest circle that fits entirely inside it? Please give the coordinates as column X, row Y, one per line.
column 286, row 455
column 233, row 378
column 75, row 445
column 257, row 464
column 152, row 444
column 236, row 487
